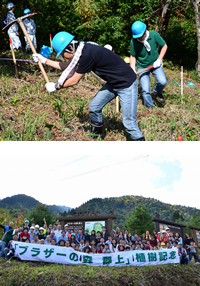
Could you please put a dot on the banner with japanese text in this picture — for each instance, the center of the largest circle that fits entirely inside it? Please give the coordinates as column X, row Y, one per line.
column 67, row 255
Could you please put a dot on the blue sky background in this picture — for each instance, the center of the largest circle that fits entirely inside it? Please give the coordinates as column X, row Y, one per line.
column 71, row 174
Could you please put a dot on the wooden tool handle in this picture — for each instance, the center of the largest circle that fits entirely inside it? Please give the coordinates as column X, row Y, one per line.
column 33, row 50
column 151, row 67
column 13, row 55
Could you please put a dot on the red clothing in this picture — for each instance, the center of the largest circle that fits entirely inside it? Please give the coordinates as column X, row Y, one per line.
column 159, row 239
column 153, row 242
column 165, row 239
column 99, row 251
column 24, row 236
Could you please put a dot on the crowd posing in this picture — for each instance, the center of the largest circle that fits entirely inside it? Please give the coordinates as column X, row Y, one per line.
column 99, row 242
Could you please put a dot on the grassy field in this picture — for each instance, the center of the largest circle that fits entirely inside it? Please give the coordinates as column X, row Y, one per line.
column 29, row 112
column 39, row 273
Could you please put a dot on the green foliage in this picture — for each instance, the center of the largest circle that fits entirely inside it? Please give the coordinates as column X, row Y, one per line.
column 39, row 213
column 124, row 206
column 109, row 22
column 19, row 201
column 195, row 220
column 40, row 273
column 139, row 220
column 176, row 216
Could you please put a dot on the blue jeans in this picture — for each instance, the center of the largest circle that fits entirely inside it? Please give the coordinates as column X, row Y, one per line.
column 128, row 98
column 3, row 245
column 145, row 84
column 184, row 260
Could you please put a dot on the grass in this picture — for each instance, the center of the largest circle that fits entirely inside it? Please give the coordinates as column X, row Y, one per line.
column 29, row 112
column 39, row 273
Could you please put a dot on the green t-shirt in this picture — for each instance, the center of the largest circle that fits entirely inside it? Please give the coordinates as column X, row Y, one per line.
column 8, row 236
column 143, row 58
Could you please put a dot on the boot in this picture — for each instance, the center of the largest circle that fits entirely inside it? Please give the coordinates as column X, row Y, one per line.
column 96, row 129
column 140, row 139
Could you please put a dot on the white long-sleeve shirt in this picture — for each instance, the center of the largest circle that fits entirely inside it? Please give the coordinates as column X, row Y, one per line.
column 11, row 17
column 30, row 26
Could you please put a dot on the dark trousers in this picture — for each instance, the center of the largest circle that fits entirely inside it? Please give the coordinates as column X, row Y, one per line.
column 195, row 256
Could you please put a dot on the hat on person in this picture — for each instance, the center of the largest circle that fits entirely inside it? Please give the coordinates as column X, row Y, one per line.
column 86, row 229
column 37, row 226
column 162, row 243
column 159, row 232
column 27, row 221
column 41, row 228
column 114, row 230
column 73, row 234
column 164, row 231
column 66, row 225
column 50, row 225
column 180, row 243
column 52, row 231
column 32, row 227
column 167, row 228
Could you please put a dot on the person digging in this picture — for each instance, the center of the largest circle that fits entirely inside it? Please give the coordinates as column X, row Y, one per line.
column 143, row 53
column 120, row 79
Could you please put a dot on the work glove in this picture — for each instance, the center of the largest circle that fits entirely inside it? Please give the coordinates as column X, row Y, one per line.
column 157, row 63
column 37, row 57
column 50, row 86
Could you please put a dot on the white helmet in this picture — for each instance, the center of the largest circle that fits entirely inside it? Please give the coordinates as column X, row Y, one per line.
column 9, row 5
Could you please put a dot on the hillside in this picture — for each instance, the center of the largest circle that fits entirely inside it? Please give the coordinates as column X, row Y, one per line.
column 40, row 273
column 27, row 202
column 126, row 204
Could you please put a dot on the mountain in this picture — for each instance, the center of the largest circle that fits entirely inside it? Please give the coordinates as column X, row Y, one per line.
column 59, row 209
column 27, row 202
column 124, row 205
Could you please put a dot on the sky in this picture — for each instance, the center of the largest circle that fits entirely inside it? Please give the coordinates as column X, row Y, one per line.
column 69, row 173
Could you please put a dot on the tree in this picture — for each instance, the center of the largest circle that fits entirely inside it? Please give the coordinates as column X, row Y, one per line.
column 139, row 220
column 39, row 213
column 176, row 216
column 196, row 12
column 195, row 220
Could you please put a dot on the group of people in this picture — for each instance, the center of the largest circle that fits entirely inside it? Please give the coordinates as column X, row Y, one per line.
column 13, row 30
column 97, row 242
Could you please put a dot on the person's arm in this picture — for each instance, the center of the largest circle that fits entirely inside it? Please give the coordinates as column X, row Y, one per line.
column 57, row 65
column 3, row 223
column 72, row 80
column 162, row 52
column 132, row 62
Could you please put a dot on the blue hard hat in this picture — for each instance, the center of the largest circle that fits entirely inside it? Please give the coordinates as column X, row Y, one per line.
column 138, row 28
column 73, row 234
column 180, row 243
column 27, row 11
column 27, row 221
column 9, row 5
column 60, row 41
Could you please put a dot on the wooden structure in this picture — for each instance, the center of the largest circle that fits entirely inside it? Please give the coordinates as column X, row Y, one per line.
column 78, row 220
column 196, row 235
column 161, row 224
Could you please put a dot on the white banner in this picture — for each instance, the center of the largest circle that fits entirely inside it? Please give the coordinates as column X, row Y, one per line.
column 65, row 255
